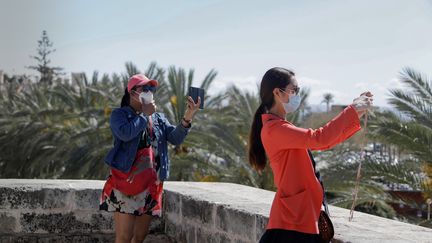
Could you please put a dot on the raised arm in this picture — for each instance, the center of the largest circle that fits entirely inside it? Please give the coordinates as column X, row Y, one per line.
column 124, row 129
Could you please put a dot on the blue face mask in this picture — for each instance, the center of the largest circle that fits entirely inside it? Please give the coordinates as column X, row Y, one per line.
column 293, row 104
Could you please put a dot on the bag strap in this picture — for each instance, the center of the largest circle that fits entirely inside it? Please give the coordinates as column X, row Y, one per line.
column 151, row 126
column 318, row 176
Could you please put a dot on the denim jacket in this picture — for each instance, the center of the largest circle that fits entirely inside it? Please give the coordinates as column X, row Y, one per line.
column 126, row 127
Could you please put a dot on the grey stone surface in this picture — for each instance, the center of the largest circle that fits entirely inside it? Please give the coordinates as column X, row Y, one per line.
column 32, row 199
column 198, row 210
column 261, row 223
column 58, row 238
column 88, row 198
column 236, row 222
column 67, row 211
column 206, row 235
column 8, row 223
column 53, row 223
column 56, row 211
column 364, row 227
column 171, row 203
column 78, row 238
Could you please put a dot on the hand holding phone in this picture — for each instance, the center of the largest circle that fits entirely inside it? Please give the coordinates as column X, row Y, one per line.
column 195, row 93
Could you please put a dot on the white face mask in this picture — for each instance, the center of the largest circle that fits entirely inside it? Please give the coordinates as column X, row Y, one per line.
column 293, row 103
column 146, row 97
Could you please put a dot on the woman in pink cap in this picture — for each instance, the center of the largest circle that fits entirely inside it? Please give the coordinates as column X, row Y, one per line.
column 139, row 159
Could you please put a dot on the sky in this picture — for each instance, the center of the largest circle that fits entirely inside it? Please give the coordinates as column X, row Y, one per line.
column 339, row 46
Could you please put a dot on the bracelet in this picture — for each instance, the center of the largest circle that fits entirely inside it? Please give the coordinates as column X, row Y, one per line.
column 187, row 121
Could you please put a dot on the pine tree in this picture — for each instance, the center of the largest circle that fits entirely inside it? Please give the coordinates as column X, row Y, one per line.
column 47, row 72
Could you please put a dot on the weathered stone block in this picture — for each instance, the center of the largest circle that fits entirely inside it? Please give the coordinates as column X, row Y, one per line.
column 8, row 223
column 157, row 224
column 66, row 211
column 172, row 202
column 242, row 241
column 261, row 224
column 50, row 238
column 171, row 217
column 102, row 222
column 181, row 232
column 87, row 199
column 236, row 222
column 209, row 236
column 174, row 231
column 53, row 223
column 21, row 197
column 198, row 210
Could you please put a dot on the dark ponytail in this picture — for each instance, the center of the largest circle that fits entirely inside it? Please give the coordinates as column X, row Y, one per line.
column 274, row 78
column 257, row 156
column 125, row 99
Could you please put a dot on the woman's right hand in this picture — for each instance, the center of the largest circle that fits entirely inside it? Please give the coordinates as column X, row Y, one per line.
column 149, row 108
column 362, row 103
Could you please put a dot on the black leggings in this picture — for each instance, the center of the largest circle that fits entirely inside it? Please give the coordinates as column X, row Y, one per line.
column 281, row 235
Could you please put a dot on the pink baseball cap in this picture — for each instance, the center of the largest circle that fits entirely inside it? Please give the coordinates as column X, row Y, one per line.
column 140, row 79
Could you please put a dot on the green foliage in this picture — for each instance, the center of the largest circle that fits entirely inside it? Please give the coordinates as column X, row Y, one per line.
column 411, row 129
column 62, row 131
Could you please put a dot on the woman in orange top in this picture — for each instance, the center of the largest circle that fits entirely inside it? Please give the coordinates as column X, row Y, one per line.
column 299, row 196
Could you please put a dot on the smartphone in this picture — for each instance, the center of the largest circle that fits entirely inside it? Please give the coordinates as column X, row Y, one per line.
column 195, row 93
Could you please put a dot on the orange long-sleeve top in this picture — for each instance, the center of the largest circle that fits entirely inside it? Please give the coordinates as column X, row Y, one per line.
column 299, row 196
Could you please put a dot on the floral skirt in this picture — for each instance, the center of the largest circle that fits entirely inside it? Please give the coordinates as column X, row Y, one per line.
column 113, row 200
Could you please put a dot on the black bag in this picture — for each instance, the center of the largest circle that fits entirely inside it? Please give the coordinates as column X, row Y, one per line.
column 325, row 225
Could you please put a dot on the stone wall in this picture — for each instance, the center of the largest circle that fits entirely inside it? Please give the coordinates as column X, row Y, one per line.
column 55, row 211
column 67, row 211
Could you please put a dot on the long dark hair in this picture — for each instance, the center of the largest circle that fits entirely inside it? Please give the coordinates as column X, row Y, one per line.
column 125, row 101
column 276, row 77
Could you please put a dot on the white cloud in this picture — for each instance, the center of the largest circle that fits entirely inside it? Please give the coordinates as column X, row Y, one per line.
column 361, row 85
column 306, row 81
column 343, row 95
column 319, row 87
column 248, row 83
column 394, row 83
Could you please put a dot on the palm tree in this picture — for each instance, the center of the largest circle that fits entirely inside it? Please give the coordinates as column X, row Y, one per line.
column 176, row 92
column 327, row 99
column 177, row 88
column 30, row 127
column 224, row 131
column 411, row 129
column 378, row 175
column 62, row 130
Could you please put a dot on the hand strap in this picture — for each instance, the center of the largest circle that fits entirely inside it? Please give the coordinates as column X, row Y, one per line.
column 150, row 126
column 356, row 189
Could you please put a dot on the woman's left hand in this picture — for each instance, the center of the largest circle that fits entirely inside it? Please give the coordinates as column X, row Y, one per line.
column 192, row 108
